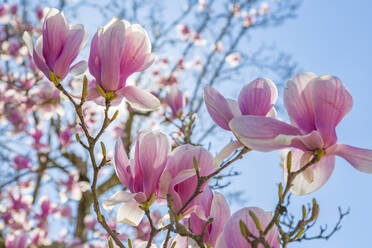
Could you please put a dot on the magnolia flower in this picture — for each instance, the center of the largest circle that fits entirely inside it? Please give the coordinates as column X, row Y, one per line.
column 248, row 19
column 140, row 174
column 232, row 236
column 183, row 31
column 233, row 59
column 58, row 46
column 176, row 101
column 118, row 50
column 179, row 177
column 315, row 106
column 20, row 162
column 213, row 206
column 256, row 98
column 16, row 240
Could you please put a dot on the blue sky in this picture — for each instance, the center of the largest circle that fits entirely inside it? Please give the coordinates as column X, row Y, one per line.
column 328, row 37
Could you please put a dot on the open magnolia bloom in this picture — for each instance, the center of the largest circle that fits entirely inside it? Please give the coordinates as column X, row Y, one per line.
column 58, row 46
column 232, row 236
column 315, row 106
column 118, row 50
column 140, row 174
column 256, row 98
column 214, row 205
column 179, row 178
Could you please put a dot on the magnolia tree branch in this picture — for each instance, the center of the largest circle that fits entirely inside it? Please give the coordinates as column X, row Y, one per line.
column 90, row 147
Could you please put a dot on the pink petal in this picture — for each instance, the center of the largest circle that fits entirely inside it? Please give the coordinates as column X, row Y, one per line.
column 94, row 61
column 298, row 101
column 55, row 32
column 260, row 133
column 39, row 59
column 181, row 242
column 258, row 97
column 314, row 177
column 332, row 101
column 152, row 149
column 360, row 159
column 137, row 54
column 122, row 165
column 111, row 44
column 218, row 107
column 71, row 48
column 232, row 236
column 140, row 99
column 220, row 212
column 234, row 107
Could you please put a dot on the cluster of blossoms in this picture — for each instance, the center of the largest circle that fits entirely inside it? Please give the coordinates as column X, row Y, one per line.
column 159, row 170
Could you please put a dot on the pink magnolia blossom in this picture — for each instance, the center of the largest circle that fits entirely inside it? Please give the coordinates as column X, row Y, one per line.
column 140, row 174
column 13, row 9
column 16, row 240
column 39, row 12
column 315, row 106
column 176, row 100
column 58, row 46
column 20, row 202
column 233, row 59
column 46, row 207
column 20, row 162
column 118, row 50
column 214, row 206
column 183, row 31
column 232, row 236
column 179, row 178
column 256, row 98
column 65, row 137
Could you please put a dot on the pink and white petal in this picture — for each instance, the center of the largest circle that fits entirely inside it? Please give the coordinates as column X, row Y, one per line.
column 149, row 59
column 122, row 165
column 92, row 92
column 140, row 99
column 152, row 149
column 218, row 107
column 298, row 101
column 260, row 133
column 130, row 213
column 164, row 184
column 79, row 68
column 307, row 142
column 258, row 97
column 234, row 107
column 220, row 212
column 312, row 180
column 226, row 152
column 221, row 241
column 70, row 51
column 111, row 45
column 38, row 57
column 181, row 242
column 118, row 197
column 359, row 158
column 94, row 61
column 332, row 101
